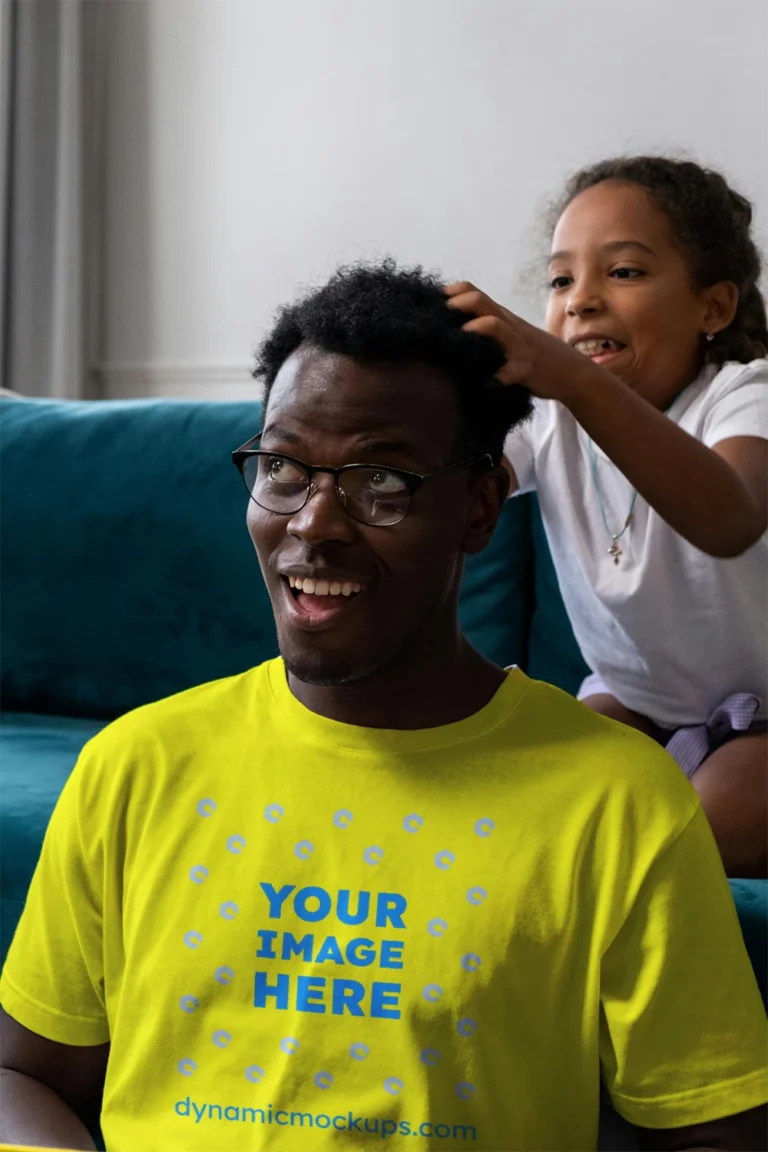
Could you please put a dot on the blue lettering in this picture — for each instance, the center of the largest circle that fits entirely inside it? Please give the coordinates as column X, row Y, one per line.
column 329, row 950
column 384, row 998
column 267, row 936
column 312, row 893
column 210, row 1111
column 279, row 991
column 348, row 994
column 405, row 1128
column 363, row 907
column 391, row 953
column 354, row 1122
column 301, row 1117
column 361, row 952
column 390, row 907
column 278, row 1120
column 294, row 947
column 231, row 1108
column 308, row 989
column 276, row 899
column 181, row 1104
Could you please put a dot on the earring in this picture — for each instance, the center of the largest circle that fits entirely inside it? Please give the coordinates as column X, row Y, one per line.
column 709, row 337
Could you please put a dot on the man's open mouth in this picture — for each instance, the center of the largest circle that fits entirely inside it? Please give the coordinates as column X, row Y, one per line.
column 334, row 588
column 317, row 602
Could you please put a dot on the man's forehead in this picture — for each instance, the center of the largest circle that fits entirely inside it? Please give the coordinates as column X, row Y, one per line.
column 380, row 404
column 310, row 368
column 369, row 435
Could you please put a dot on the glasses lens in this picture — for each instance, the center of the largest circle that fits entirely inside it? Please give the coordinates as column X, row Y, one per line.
column 276, row 483
column 374, row 495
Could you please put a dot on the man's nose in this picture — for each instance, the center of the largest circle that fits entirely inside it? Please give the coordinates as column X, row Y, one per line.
column 323, row 517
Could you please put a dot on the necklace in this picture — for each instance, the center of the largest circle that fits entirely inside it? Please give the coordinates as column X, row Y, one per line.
column 614, row 551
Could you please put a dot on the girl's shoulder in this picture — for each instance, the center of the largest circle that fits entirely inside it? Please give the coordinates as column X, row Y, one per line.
column 718, row 380
column 730, row 399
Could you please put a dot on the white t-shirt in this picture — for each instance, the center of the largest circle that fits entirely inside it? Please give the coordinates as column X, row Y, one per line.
column 672, row 631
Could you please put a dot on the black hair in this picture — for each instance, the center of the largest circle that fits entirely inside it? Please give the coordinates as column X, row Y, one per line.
column 382, row 313
column 711, row 223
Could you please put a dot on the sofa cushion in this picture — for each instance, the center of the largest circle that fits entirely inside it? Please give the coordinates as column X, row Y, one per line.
column 128, row 573
column 37, row 754
column 496, row 598
column 553, row 654
column 751, row 899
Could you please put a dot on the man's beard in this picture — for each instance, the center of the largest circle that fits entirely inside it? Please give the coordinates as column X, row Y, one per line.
column 325, row 673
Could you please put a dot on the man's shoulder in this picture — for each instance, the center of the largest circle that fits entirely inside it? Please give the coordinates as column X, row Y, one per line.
column 600, row 749
column 602, row 779
column 178, row 724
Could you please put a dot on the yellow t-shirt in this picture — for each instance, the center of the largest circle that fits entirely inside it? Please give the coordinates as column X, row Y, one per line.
column 301, row 934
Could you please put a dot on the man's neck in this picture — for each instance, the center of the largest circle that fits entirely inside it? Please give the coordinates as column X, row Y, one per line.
column 436, row 688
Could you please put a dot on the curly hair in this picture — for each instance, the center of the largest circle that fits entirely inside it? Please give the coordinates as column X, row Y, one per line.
column 712, row 225
column 382, row 313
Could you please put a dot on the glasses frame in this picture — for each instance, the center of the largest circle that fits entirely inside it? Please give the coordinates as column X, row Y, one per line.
column 414, row 480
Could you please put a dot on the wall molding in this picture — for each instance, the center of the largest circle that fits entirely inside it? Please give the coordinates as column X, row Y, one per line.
column 231, row 381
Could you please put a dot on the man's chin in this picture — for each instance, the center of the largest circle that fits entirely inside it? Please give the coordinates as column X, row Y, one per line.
column 325, row 670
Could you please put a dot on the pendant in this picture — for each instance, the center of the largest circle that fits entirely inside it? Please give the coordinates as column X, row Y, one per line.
column 615, row 551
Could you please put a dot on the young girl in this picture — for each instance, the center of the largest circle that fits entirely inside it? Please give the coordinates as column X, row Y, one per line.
column 648, row 451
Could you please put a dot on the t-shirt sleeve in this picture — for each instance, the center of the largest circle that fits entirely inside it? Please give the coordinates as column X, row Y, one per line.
column 520, row 450
column 742, row 410
column 53, row 979
column 683, row 1035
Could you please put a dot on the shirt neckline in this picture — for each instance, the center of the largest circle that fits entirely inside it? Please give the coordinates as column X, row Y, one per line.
column 316, row 728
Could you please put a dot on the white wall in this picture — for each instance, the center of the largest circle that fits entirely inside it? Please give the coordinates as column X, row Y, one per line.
column 253, row 145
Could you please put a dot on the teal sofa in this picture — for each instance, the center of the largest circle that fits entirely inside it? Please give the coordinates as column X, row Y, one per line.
column 128, row 575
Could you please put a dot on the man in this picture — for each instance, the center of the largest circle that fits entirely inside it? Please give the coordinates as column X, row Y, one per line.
column 379, row 891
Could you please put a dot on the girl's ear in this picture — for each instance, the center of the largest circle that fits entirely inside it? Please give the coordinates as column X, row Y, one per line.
column 720, row 303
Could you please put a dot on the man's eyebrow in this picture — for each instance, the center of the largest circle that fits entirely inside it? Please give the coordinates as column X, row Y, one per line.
column 367, row 446
column 611, row 246
column 381, row 444
column 281, row 433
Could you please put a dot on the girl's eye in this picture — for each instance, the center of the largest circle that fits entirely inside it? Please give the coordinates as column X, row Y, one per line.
column 627, row 273
column 559, row 282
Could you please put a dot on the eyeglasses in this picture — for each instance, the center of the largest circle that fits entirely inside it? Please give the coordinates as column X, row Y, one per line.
column 368, row 493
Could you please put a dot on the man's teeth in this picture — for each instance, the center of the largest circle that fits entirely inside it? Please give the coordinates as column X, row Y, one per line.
column 595, row 347
column 323, row 587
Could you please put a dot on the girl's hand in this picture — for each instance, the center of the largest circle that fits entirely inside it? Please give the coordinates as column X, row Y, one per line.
column 550, row 368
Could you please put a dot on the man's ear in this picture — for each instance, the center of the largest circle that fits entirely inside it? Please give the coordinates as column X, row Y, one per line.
column 486, row 502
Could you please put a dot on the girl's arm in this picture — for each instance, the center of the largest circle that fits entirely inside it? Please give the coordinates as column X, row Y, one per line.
column 716, row 498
